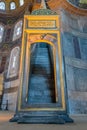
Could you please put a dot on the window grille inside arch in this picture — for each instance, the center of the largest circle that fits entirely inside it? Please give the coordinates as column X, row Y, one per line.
column 13, row 63
column 1, row 32
column 12, row 6
column 2, row 5
column 17, row 30
column 21, row 2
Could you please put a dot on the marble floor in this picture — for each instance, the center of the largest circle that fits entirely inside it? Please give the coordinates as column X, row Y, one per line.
column 80, row 123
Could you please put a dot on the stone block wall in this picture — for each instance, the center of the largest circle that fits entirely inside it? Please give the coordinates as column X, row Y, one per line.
column 74, row 47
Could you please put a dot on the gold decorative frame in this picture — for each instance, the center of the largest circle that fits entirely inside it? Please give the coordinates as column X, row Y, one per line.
column 25, row 53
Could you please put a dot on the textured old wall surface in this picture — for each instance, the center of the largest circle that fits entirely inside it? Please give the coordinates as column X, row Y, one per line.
column 74, row 42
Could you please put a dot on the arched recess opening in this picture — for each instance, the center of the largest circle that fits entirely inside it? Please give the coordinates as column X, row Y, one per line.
column 14, row 63
column 2, row 5
column 43, row 31
column 41, row 83
column 12, row 5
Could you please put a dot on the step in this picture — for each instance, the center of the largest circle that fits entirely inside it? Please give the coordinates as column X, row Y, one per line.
column 40, row 92
column 41, row 120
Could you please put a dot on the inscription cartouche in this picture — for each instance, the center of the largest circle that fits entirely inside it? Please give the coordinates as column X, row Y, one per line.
column 39, row 24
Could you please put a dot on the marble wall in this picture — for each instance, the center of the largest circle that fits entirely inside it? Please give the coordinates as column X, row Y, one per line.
column 9, row 65
column 74, row 43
